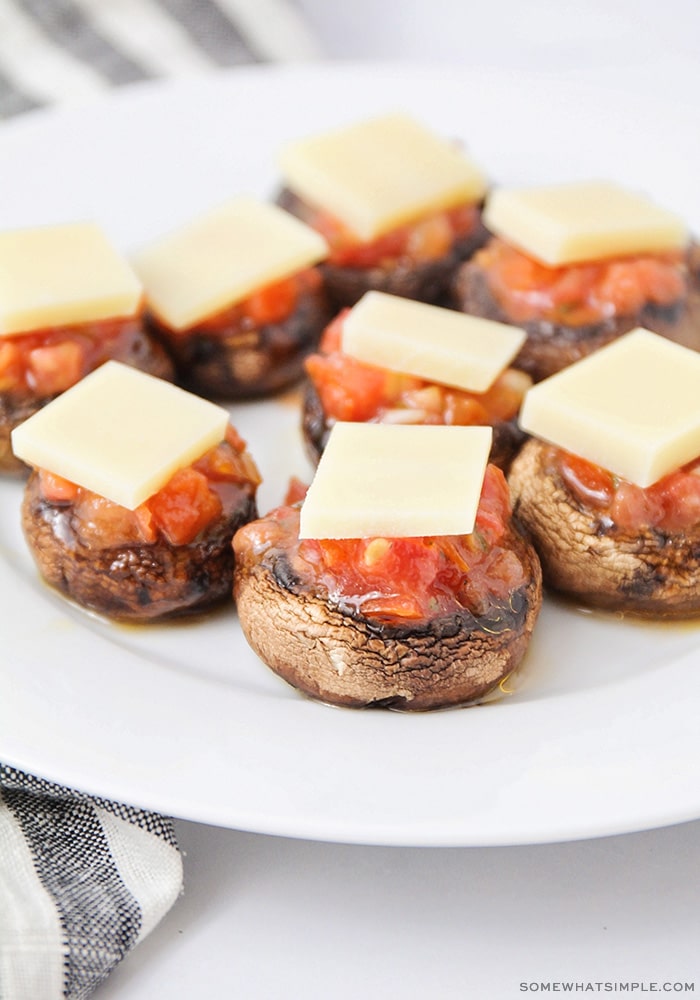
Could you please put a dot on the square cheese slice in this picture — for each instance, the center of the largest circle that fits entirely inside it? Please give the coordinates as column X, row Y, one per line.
column 120, row 433
column 380, row 480
column 591, row 220
column 60, row 275
column 433, row 343
column 632, row 407
column 378, row 174
column 220, row 258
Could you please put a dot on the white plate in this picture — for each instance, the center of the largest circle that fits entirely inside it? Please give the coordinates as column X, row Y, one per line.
column 601, row 735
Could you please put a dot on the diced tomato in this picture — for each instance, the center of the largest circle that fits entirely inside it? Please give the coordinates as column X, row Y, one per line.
column 272, row 304
column 55, row 488
column 11, row 365
column 494, row 505
column 349, row 390
column 583, row 293
column 296, row 491
column 596, row 486
column 48, row 361
column 415, row 577
column 634, row 508
column 671, row 504
column 352, row 390
column 53, row 369
column 424, row 239
column 184, row 506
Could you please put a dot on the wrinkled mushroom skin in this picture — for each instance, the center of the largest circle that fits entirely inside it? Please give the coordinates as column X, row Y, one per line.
column 245, row 362
column 552, row 346
column 315, row 427
column 142, row 352
column 136, row 582
column 343, row 658
column 653, row 574
column 427, row 281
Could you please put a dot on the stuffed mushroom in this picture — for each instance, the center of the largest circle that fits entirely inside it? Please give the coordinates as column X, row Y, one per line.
column 136, row 541
column 606, row 542
column 236, row 299
column 68, row 303
column 341, row 387
column 399, row 206
column 575, row 298
column 609, row 484
column 407, row 623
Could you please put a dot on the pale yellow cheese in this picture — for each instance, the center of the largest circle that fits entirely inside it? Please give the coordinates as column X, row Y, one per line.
column 220, row 258
column 591, row 220
column 433, row 343
column 379, row 480
column 632, row 407
column 380, row 173
column 61, row 275
column 120, row 433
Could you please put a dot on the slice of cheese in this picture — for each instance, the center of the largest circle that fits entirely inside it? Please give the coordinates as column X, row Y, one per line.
column 396, row 482
column 120, row 433
column 569, row 223
column 222, row 257
column 381, row 173
column 61, row 275
column 437, row 344
column 632, row 407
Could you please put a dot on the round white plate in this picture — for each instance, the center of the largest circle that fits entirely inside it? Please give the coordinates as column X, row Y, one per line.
column 600, row 735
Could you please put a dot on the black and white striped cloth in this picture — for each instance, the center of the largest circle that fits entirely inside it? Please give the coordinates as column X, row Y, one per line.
column 82, row 880
column 52, row 51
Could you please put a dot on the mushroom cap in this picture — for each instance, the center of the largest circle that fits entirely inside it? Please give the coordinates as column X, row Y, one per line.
column 652, row 574
column 238, row 362
column 344, row 658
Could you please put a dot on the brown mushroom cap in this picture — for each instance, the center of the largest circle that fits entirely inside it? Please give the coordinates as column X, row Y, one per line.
column 343, row 658
column 552, row 346
column 653, row 574
column 427, row 281
column 134, row 582
column 238, row 362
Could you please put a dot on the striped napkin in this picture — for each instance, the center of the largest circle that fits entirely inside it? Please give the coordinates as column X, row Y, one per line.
column 82, row 880
column 53, row 51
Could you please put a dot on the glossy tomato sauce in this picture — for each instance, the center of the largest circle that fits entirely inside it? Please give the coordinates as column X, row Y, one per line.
column 193, row 499
column 580, row 294
column 274, row 303
column 352, row 390
column 399, row 579
column 671, row 505
column 46, row 362
column 428, row 238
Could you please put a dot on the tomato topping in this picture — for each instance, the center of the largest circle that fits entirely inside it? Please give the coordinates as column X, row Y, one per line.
column 274, row 303
column 192, row 499
column 46, row 362
column 672, row 504
column 56, row 488
column 580, row 294
column 352, row 390
column 425, row 239
column 184, row 506
column 296, row 491
column 402, row 578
